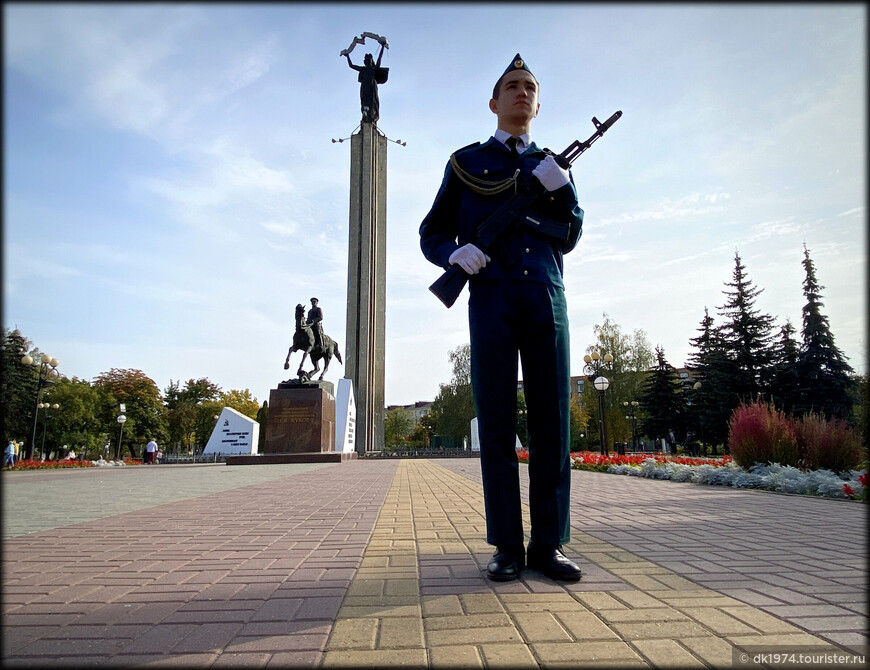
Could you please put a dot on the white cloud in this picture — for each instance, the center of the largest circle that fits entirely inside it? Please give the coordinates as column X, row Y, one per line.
column 282, row 228
column 672, row 209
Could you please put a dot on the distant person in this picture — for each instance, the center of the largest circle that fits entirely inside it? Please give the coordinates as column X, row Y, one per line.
column 671, row 440
column 151, row 451
column 9, row 455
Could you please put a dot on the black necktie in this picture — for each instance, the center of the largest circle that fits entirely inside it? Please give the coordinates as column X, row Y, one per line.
column 512, row 142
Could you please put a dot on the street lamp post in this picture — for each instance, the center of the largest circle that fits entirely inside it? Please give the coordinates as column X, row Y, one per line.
column 43, row 380
column 594, row 363
column 122, row 419
column 631, row 408
column 45, row 417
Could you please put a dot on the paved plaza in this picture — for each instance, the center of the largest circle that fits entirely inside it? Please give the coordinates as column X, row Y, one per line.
column 379, row 562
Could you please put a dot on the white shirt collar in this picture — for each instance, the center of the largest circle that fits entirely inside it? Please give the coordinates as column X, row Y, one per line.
column 522, row 145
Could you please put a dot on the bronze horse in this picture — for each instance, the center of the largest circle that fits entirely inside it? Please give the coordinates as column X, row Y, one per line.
column 303, row 340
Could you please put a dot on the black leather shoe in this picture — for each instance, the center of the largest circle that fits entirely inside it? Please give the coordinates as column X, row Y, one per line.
column 506, row 563
column 550, row 560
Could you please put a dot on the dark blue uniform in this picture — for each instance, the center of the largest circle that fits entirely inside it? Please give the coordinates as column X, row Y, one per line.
column 516, row 306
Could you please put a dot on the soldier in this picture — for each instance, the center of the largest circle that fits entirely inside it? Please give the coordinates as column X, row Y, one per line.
column 315, row 320
column 516, row 308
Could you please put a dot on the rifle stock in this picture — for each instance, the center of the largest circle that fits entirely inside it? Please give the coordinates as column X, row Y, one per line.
column 450, row 284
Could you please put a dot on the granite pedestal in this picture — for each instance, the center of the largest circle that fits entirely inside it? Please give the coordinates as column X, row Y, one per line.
column 300, row 426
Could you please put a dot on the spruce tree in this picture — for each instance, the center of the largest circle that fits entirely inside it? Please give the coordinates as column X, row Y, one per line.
column 822, row 367
column 784, row 380
column 661, row 400
column 714, row 399
column 18, row 387
column 747, row 335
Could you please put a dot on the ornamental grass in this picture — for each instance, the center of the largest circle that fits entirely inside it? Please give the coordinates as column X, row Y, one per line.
column 828, row 444
column 759, row 433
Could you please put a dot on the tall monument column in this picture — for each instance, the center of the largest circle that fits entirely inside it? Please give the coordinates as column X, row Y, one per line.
column 366, row 284
column 367, row 255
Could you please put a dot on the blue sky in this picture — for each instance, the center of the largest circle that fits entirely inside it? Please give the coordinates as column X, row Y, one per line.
column 172, row 190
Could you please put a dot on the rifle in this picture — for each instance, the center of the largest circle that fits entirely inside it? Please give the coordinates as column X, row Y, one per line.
column 449, row 285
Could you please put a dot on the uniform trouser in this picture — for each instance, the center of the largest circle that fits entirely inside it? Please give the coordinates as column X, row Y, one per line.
column 508, row 318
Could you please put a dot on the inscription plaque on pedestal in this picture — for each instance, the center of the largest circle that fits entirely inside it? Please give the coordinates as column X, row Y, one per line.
column 300, row 420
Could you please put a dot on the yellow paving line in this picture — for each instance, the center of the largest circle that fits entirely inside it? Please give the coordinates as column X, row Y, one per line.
column 434, row 517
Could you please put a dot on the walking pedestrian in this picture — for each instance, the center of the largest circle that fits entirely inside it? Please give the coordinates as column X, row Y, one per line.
column 9, row 455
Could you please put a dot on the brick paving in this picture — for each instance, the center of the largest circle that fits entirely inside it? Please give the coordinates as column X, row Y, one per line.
column 380, row 562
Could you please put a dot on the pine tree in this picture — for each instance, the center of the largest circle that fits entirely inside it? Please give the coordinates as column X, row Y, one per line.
column 661, row 400
column 18, row 387
column 714, row 399
column 822, row 367
column 747, row 335
column 784, row 379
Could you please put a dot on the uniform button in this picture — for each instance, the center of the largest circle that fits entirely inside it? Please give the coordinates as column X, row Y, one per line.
column 527, row 250
column 525, row 272
column 487, row 172
column 552, row 198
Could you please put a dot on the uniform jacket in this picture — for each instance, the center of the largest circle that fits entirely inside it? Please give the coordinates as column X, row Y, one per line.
column 458, row 210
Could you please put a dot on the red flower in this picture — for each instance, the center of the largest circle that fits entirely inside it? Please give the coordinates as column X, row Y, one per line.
column 848, row 490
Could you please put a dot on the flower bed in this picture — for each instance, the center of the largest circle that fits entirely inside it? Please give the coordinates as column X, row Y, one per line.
column 724, row 472
column 31, row 464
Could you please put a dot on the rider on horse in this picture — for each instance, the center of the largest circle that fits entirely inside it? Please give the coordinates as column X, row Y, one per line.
column 315, row 320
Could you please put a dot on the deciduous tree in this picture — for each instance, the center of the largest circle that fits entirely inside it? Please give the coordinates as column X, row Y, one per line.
column 146, row 415
column 398, row 424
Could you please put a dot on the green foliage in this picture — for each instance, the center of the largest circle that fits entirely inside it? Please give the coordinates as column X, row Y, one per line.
column 632, row 358
column 205, row 419
column 661, row 400
column 714, row 400
column 192, row 411
column 785, row 381
column 522, row 419
column 740, row 361
column 454, row 405
column 822, row 367
column 77, row 421
column 146, row 415
column 398, row 424
column 428, row 425
column 746, row 335
column 579, row 423
column 86, row 419
column 17, row 387
column 241, row 401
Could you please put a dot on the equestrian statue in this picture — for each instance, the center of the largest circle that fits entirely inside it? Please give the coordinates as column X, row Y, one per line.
column 310, row 339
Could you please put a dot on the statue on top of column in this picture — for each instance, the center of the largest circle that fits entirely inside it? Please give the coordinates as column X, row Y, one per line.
column 370, row 75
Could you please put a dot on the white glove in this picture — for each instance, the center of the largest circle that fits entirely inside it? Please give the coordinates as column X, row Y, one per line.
column 469, row 258
column 550, row 174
